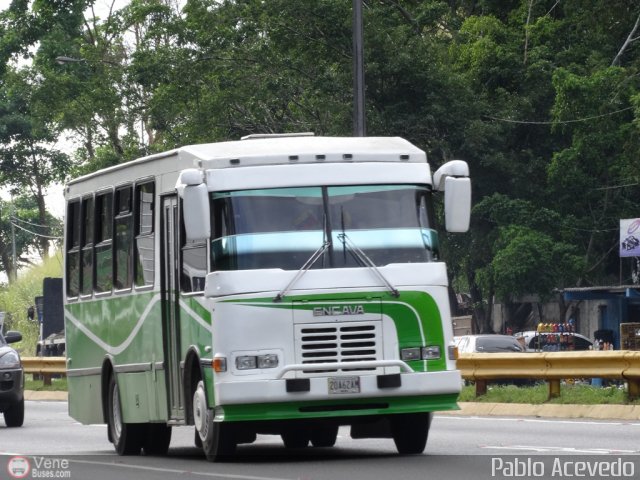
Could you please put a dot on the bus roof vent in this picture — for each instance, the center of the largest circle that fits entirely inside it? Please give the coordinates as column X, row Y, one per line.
column 277, row 135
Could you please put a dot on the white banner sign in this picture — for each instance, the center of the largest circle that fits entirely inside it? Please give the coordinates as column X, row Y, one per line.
column 630, row 237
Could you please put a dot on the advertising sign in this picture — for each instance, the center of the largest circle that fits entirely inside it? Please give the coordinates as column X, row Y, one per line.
column 630, row 237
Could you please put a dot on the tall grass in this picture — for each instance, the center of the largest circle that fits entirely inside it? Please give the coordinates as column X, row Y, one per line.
column 16, row 298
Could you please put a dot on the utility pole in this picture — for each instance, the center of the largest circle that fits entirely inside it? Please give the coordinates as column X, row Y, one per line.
column 13, row 242
column 359, row 127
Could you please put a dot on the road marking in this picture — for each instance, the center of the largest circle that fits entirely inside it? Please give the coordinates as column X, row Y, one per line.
column 538, row 420
column 539, row 449
column 180, row 472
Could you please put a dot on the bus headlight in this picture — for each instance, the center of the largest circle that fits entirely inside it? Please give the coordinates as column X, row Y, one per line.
column 269, row 360
column 252, row 362
column 408, row 354
column 246, row 362
column 431, row 353
column 420, row 353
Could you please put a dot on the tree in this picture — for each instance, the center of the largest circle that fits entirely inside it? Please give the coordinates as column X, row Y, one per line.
column 23, row 213
column 29, row 161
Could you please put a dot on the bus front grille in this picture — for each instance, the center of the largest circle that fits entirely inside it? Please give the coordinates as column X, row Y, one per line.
column 326, row 343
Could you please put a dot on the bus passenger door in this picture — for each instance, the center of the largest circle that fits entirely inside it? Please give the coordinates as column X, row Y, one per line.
column 170, row 306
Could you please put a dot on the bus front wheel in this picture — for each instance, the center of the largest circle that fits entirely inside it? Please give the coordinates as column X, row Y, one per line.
column 217, row 438
column 410, row 432
column 126, row 437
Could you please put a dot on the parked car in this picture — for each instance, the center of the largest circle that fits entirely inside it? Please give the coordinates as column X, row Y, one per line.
column 554, row 342
column 489, row 343
column 11, row 381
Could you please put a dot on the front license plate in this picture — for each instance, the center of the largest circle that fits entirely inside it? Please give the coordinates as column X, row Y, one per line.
column 344, row 385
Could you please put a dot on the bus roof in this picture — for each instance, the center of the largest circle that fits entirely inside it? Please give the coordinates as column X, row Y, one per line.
column 280, row 149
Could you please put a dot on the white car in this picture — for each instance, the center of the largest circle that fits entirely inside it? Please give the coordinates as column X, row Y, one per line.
column 488, row 343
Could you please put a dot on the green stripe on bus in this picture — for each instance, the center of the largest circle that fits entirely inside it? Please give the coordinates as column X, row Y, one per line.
column 340, row 408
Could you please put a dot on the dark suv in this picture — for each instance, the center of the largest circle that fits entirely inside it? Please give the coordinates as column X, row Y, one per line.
column 11, row 381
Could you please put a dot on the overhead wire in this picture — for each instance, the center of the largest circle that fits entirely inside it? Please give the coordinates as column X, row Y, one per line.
column 36, row 234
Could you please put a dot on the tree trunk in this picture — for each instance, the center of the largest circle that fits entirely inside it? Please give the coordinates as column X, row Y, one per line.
column 479, row 313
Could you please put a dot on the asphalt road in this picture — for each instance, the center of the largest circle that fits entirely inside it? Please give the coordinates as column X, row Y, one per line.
column 55, row 446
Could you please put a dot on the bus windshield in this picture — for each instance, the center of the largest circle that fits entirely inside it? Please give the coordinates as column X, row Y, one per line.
column 283, row 227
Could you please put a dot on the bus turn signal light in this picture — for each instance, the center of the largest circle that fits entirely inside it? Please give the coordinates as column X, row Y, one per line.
column 219, row 364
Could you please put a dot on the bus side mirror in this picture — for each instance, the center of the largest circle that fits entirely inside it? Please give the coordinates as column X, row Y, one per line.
column 453, row 179
column 457, row 204
column 195, row 206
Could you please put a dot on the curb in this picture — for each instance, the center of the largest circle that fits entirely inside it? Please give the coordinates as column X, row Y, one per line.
column 594, row 412
column 480, row 409
column 45, row 395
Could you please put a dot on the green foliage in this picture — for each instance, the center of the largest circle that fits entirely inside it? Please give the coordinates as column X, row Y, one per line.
column 539, row 97
column 16, row 298
column 57, row 384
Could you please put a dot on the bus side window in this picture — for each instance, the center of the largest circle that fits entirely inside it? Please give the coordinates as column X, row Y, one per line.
column 123, row 239
column 86, row 244
column 73, row 249
column 103, row 263
column 193, row 263
column 144, row 237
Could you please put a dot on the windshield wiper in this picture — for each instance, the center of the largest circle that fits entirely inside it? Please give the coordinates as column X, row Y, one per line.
column 367, row 262
column 307, row 265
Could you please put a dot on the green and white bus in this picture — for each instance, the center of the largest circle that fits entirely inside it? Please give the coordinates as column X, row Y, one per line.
column 281, row 284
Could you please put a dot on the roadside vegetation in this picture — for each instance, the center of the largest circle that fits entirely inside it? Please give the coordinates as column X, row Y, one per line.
column 18, row 296
column 576, row 394
column 57, row 384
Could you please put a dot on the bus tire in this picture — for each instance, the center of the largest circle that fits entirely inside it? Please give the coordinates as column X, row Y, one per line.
column 14, row 416
column 295, row 437
column 197, row 440
column 410, row 432
column 126, row 437
column 157, row 439
column 217, row 438
column 324, row 435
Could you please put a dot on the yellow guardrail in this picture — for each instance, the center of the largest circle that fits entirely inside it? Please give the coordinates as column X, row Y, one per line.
column 484, row 367
column 45, row 366
column 552, row 367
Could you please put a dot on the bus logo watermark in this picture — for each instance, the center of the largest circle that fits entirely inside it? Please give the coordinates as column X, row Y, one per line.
column 18, row 467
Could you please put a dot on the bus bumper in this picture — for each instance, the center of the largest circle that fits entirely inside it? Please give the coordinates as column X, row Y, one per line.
column 397, row 393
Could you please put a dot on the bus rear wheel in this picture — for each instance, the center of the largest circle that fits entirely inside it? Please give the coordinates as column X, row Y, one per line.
column 126, row 437
column 157, row 439
column 410, row 432
column 217, row 438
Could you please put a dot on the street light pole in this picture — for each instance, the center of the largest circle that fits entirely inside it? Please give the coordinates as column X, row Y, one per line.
column 359, row 127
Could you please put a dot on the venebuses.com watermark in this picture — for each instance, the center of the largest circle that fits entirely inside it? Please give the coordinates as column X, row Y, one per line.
column 38, row 467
